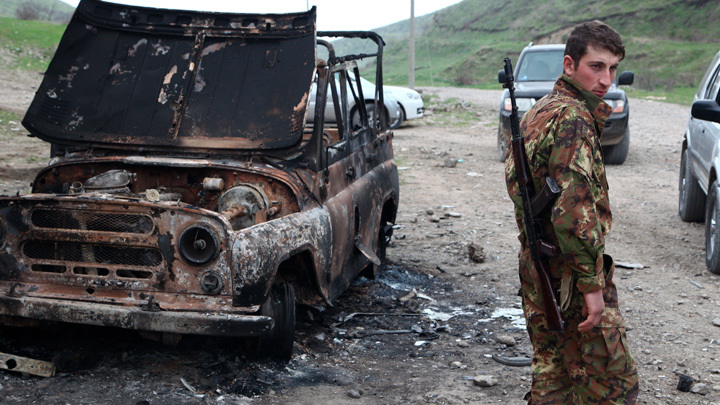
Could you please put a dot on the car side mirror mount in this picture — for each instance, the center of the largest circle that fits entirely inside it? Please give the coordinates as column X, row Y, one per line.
column 626, row 78
column 706, row 110
column 501, row 76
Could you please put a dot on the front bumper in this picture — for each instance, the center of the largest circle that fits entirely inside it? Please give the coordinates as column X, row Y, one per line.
column 213, row 324
column 414, row 109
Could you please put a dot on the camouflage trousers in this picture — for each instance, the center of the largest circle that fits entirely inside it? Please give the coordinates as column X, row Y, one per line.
column 571, row 367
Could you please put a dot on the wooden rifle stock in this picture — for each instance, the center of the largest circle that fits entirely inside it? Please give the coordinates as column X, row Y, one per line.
column 533, row 205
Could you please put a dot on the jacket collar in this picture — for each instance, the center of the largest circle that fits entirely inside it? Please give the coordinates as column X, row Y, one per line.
column 599, row 109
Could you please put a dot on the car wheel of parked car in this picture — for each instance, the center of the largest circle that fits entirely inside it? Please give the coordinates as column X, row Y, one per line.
column 278, row 345
column 502, row 145
column 370, row 108
column 691, row 204
column 712, row 230
column 616, row 154
column 398, row 122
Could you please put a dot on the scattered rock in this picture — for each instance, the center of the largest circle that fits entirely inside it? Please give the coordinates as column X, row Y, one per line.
column 453, row 214
column 507, row 340
column 716, row 321
column 458, row 364
column 450, row 162
column 476, row 253
column 353, row 394
column 700, row 389
column 463, row 343
column 485, row 381
column 430, row 211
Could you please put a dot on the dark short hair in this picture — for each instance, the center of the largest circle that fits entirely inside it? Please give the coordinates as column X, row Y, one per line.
column 597, row 34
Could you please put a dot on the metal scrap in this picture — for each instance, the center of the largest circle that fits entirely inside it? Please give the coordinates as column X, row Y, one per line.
column 26, row 365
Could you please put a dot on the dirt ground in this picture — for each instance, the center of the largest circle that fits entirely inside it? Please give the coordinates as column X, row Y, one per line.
column 429, row 325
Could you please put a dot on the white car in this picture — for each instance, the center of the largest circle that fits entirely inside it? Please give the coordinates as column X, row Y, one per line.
column 393, row 113
column 411, row 104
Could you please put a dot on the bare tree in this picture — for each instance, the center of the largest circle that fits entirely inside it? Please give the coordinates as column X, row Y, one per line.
column 30, row 10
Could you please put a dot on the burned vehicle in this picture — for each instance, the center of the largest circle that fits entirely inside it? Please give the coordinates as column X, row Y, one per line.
column 186, row 194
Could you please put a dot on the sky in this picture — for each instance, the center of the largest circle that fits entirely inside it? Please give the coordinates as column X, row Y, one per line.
column 332, row 15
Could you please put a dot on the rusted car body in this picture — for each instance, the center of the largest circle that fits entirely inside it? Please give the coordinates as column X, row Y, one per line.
column 186, row 194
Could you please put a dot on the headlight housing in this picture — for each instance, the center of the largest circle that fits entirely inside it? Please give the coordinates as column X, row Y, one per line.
column 617, row 105
column 523, row 104
column 199, row 244
column 413, row 96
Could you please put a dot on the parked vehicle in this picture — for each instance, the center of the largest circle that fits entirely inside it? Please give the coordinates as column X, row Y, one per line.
column 536, row 71
column 185, row 194
column 411, row 103
column 392, row 112
column 700, row 163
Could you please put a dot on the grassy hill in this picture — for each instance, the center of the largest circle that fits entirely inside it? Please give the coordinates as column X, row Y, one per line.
column 27, row 45
column 669, row 43
column 48, row 10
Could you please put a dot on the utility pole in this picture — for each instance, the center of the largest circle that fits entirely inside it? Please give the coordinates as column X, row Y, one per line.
column 411, row 75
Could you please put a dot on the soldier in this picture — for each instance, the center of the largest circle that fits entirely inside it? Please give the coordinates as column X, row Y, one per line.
column 588, row 363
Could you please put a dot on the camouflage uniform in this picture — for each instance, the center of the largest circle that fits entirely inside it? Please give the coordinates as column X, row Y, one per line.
column 562, row 140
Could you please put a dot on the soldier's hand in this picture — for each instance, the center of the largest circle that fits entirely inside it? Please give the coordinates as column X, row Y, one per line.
column 592, row 310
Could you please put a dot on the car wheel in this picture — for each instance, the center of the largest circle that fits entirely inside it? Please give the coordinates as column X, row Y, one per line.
column 278, row 345
column 616, row 154
column 370, row 108
column 691, row 204
column 502, row 145
column 712, row 230
column 398, row 122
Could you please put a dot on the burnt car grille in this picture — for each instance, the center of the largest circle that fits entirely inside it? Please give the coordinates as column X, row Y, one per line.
column 92, row 253
column 92, row 221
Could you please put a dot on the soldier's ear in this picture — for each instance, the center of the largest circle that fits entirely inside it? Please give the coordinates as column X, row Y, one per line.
column 569, row 65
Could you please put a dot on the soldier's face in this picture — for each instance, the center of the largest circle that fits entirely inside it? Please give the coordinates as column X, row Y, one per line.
column 595, row 71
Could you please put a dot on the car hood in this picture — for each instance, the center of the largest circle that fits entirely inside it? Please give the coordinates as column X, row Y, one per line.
column 136, row 77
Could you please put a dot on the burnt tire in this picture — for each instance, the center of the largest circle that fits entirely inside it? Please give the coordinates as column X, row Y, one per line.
column 691, row 203
column 712, row 229
column 616, row 154
column 278, row 345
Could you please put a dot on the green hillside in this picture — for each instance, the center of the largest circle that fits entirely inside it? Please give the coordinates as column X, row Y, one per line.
column 28, row 45
column 669, row 43
column 47, row 10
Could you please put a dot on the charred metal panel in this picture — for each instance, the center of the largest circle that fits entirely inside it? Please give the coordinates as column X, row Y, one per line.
column 258, row 251
column 26, row 365
column 120, row 79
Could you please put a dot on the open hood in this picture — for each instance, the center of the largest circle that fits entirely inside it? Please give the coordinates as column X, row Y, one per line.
column 134, row 77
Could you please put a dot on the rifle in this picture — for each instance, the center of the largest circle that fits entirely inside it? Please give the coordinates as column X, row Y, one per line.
column 534, row 204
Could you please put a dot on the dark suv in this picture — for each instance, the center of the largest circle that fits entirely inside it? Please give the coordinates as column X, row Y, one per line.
column 536, row 71
column 186, row 193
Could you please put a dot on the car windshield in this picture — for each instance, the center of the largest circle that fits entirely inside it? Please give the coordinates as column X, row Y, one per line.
column 540, row 66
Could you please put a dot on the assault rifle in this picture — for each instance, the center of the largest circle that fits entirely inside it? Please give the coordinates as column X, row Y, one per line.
column 534, row 204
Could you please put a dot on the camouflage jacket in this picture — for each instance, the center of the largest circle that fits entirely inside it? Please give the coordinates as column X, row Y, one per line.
column 562, row 139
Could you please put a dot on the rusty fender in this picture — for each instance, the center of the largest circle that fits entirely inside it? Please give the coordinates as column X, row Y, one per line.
column 257, row 252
